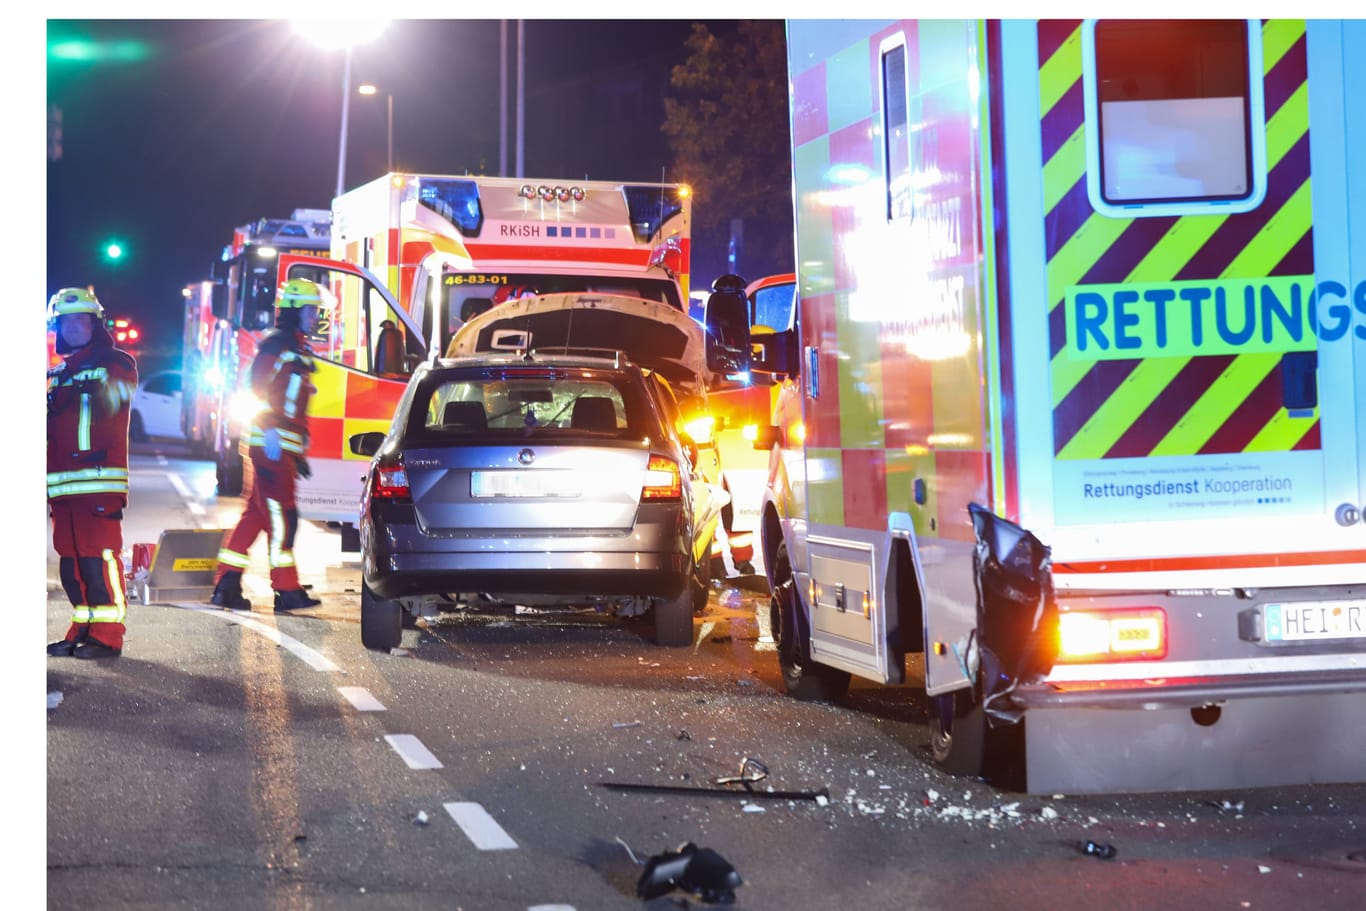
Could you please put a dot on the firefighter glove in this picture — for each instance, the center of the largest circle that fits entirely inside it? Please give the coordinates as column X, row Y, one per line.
column 301, row 468
column 272, row 444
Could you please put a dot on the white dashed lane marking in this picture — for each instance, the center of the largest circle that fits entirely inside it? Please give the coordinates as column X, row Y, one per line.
column 480, row 827
column 411, row 750
column 360, row 697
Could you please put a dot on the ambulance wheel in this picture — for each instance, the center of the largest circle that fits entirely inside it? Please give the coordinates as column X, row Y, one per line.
column 958, row 729
column 229, row 479
column 381, row 621
column 804, row 679
column 673, row 619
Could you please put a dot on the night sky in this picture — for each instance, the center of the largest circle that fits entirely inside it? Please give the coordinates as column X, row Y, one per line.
column 177, row 131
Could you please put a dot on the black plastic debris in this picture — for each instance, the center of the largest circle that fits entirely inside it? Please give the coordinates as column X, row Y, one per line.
column 699, row 871
column 1016, row 613
column 1097, row 849
column 752, row 771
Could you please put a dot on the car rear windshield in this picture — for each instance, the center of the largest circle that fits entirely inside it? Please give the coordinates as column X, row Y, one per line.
column 531, row 402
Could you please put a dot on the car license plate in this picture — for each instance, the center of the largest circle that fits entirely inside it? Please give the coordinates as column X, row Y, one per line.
column 541, row 483
column 1307, row 621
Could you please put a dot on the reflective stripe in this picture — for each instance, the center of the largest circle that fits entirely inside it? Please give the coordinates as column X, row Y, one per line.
column 233, row 558
column 86, row 487
column 102, row 472
column 292, row 396
column 102, row 479
column 83, row 429
column 113, row 580
column 279, row 556
column 108, row 613
column 80, row 614
column 290, row 441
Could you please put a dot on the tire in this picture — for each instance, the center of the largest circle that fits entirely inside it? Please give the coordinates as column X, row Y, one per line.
column 229, row 477
column 673, row 619
column 136, row 431
column 804, row 679
column 958, row 729
column 381, row 621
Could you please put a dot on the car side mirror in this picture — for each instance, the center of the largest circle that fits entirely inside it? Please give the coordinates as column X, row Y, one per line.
column 366, row 444
column 727, row 323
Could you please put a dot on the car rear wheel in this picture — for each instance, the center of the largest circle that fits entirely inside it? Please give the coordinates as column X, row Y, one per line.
column 381, row 620
column 136, row 431
column 804, row 679
column 673, row 619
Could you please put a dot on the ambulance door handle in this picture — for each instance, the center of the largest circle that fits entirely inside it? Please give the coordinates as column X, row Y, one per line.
column 813, row 373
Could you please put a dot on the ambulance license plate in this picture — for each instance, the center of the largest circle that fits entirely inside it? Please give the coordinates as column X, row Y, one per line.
column 516, row 484
column 1311, row 621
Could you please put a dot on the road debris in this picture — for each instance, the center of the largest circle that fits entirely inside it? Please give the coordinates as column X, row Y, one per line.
column 700, row 871
column 54, row 699
column 1097, row 849
column 625, row 724
column 421, row 818
column 751, row 772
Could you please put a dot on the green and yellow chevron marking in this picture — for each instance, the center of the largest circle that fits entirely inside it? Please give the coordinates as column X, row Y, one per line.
column 1220, row 400
column 1164, row 261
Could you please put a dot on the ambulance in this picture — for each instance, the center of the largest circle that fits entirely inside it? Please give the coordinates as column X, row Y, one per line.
column 1070, row 422
column 415, row 256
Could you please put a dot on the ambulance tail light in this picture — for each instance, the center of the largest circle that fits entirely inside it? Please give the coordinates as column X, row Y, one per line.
column 1120, row 634
column 389, row 481
column 701, row 429
column 662, row 480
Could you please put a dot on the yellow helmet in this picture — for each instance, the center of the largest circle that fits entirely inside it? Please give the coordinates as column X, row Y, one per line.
column 74, row 300
column 299, row 292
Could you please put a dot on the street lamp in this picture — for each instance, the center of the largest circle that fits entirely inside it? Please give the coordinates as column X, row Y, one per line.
column 332, row 34
column 368, row 89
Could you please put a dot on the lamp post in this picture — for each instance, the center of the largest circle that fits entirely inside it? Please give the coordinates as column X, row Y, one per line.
column 368, row 89
column 341, row 34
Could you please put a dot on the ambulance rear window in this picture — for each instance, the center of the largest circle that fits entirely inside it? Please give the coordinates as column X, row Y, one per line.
column 1174, row 115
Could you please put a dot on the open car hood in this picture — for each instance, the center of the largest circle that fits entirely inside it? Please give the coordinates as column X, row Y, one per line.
column 654, row 335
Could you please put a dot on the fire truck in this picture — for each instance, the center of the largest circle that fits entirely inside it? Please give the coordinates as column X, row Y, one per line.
column 1070, row 417
column 414, row 256
column 224, row 320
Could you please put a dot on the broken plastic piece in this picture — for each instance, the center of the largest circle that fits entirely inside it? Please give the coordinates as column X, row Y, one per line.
column 1097, row 849
column 751, row 770
column 700, row 871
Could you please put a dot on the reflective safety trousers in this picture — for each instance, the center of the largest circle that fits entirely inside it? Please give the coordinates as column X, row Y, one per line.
column 87, row 533
column 270, row 508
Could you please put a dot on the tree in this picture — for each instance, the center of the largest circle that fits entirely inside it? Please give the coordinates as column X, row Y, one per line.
column 727, row 127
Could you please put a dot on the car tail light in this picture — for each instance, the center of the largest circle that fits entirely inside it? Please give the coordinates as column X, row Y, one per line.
column 390, row 481
column 1122, row 634
column 662, row 480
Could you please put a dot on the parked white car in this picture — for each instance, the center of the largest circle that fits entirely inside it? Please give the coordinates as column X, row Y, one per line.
column 156, row 407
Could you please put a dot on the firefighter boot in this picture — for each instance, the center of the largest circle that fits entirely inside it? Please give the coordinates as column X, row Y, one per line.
column 293, row 599
column 92, row 649
column 227, row 594
column 62, row 649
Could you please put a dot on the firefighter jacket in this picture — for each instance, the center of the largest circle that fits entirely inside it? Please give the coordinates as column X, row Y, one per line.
column 281, row 378
column 89, row 396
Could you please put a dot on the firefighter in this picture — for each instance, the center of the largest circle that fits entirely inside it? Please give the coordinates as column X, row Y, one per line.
column 88, row 399
column 281, row 378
